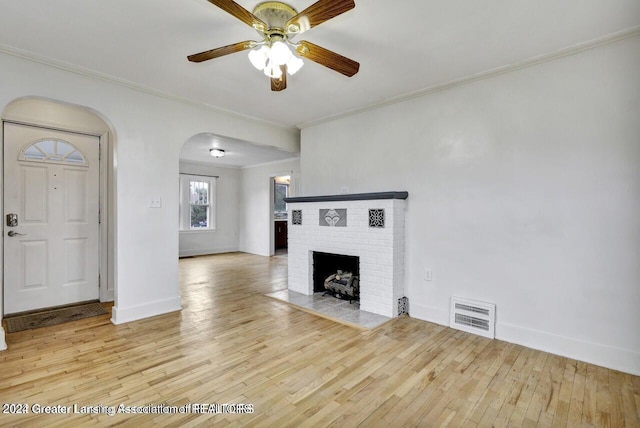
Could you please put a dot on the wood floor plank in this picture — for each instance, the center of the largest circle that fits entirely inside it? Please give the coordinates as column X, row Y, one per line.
column 231, row 344
column 576, row 405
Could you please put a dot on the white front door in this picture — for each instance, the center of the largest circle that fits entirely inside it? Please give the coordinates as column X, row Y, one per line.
column 51, row 214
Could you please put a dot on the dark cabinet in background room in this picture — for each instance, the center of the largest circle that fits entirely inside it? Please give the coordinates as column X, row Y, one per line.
column 281, row 234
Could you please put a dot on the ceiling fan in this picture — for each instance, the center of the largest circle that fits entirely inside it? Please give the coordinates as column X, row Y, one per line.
column 278, row 23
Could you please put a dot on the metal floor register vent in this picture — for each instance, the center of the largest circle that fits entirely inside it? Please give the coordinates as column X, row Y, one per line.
column 473, row 317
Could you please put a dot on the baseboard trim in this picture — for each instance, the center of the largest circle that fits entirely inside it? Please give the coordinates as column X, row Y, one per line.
column 429, row 313
column 206, row 252
column 121, row 315
column 623, row 360
column 255, row 252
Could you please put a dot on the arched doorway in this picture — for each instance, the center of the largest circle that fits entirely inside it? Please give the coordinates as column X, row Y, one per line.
column 241, row 206
column 69, row 160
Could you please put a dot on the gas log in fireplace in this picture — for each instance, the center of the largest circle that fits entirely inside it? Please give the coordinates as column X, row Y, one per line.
column 325, row 264
column 336, row 274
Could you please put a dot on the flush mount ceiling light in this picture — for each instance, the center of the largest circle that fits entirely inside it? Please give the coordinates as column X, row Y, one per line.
column 216, row 153
column 278, row 23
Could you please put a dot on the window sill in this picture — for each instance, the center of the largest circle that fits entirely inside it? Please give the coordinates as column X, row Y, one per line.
column 192, row 231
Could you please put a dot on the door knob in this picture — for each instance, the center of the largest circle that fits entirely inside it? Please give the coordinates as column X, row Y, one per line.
column 14, row 233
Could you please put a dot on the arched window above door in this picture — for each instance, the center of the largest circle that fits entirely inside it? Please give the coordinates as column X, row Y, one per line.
column 51, row 150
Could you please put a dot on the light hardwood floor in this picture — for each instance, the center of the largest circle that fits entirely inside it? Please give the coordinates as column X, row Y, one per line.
column 231, row 344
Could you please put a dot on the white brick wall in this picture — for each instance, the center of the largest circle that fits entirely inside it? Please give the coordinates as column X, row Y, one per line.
column 381, row 250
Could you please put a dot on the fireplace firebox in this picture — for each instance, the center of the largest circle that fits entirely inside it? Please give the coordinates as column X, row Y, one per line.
column 326, row 264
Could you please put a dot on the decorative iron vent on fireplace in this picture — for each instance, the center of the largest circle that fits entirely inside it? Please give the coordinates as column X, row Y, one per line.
column 296, row 217
column 473, row 316
column 403, row 306
column 376, row 217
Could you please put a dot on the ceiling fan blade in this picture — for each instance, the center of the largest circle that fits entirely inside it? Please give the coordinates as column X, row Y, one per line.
column 218, row 52
column 241, row 13
column 319, row 12
column 281, row 83
column 325, row 57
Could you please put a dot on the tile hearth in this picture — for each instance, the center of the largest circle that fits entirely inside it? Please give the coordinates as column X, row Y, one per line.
column 330, row 307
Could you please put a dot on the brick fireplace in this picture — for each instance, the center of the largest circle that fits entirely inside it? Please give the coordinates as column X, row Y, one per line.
column 369, row 226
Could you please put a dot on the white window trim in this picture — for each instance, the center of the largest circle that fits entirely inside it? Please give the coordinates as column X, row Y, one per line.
column 185, row 206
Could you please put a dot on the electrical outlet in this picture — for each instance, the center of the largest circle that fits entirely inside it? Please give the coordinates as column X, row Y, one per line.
column 155, row 203
column 428, row 275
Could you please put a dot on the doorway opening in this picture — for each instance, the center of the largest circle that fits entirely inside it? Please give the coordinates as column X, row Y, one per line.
column 281, row 186
column 62, row 155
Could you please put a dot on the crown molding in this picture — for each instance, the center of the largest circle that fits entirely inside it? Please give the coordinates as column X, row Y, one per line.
column 205, row 164
column 93, row 74
column 258, row 165
column 561, row 53
column 238, row 167
column 530, row 62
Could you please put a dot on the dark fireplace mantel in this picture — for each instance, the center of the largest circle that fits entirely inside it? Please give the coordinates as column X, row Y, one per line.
column 350, row 197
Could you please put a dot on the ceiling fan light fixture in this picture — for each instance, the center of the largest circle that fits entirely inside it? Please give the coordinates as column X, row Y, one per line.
column 273, row 70
column 216, row 153
column 279, row 53
column 294, row 64
column 259, row 57
column 278, row 23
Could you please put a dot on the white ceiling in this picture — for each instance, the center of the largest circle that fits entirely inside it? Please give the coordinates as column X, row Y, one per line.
column 237, row 153
column 402, row 46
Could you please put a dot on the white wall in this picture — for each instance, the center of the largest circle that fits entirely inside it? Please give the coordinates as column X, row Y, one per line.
column 524, row 190
column 225, row 237
column 256, row 215
column 150, row 131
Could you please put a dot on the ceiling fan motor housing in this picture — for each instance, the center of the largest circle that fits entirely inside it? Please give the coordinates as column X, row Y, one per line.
column 276, row 14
